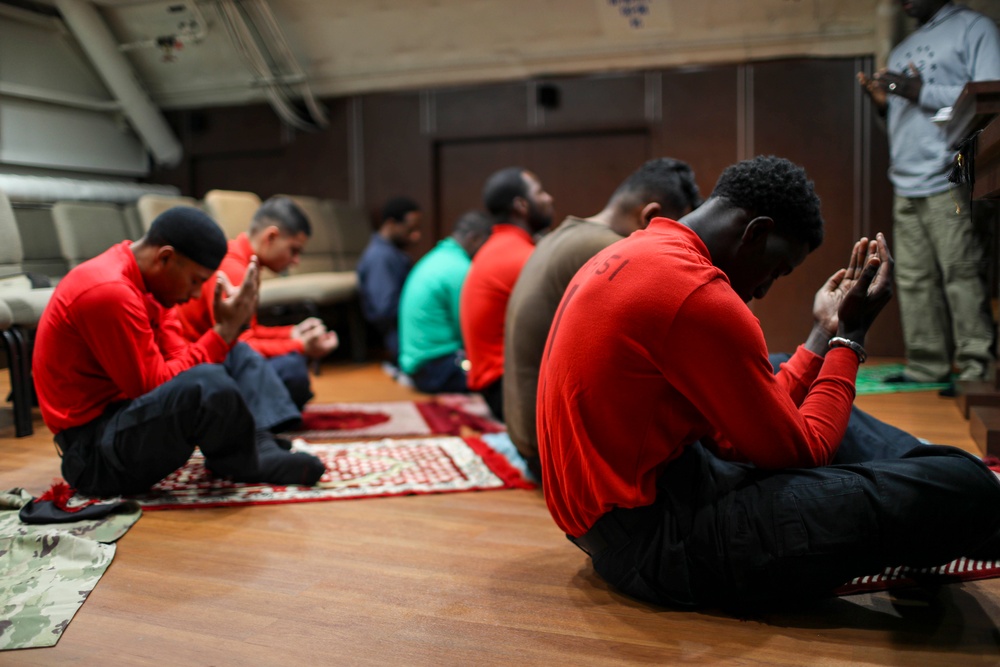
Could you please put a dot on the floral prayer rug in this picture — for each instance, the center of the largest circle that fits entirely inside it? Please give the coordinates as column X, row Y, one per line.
column 960, row 569
column 353, row 470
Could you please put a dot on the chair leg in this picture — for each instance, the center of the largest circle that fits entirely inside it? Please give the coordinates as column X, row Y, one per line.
column 18, row 358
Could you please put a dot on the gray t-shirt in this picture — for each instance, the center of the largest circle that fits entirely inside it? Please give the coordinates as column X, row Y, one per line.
column 956, row 46
column 530, row 312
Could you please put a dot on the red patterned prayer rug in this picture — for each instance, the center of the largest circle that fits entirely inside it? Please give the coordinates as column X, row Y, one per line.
column 341, row 420
column 354, row 470
column 362, row 420
column 449, row 417
column 960, row 569
column 444, row 414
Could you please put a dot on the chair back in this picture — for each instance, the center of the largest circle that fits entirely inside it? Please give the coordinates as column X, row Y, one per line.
column 86, row 229
column 232, row 209
column 151, row 205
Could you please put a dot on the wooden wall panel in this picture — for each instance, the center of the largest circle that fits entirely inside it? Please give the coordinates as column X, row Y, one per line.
column 579, row 171
column 438, row 146
column 398, row 158
column 248, row 148
column 699, row 109
column 593, row 103
column 499, row 110
column 804, row 110
column 886, row 336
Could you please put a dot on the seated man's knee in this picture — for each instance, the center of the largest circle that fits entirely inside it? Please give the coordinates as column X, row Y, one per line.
column 208, row 384
column 240, row 356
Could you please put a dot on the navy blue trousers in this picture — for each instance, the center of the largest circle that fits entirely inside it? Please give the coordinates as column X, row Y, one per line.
column 217, row 407
column 442, row 375
column 293, row 370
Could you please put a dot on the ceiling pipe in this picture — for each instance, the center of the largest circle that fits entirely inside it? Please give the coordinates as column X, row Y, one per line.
column 101, row 47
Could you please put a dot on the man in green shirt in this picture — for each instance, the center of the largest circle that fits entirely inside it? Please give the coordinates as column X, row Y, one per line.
column 430, row 337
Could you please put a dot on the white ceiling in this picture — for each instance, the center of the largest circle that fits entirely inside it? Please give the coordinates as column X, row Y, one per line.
column 351, row 46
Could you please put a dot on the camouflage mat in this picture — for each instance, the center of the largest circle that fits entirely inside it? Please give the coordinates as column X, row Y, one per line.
column 871, row 380
column 47, row 571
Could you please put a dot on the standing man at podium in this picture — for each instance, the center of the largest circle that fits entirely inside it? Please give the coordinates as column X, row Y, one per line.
column 943, row 297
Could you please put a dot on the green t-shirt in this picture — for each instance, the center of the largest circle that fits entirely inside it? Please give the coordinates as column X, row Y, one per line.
column 428, row 308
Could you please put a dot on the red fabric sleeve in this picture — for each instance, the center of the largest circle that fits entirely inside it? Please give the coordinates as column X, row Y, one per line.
column 197, row 316
column 724, row 371
column 118, row 330
column 271, row 341
column 798, row 373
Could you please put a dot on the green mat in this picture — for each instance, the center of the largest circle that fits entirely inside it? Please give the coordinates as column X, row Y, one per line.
column 47, row 571
column 871, row 380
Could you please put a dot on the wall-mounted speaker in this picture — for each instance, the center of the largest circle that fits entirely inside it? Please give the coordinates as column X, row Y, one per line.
column 548, row 96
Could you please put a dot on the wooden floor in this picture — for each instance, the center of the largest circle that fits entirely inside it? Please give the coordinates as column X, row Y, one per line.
column 456, row 579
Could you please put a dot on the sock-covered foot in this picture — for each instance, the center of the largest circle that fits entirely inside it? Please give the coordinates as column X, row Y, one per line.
column 278, row 466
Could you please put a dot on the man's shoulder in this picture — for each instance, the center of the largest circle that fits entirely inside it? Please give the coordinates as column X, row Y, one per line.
column 441, row 261
column 104, row 274
column 379, row 252
column 575, row 239
column 503, row 249
column 91, row 291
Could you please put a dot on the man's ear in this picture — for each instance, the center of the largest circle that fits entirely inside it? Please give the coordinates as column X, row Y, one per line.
column 757, row 231
column 164, row 254
column 520, row 206
column 270, row 233
column 650, row 211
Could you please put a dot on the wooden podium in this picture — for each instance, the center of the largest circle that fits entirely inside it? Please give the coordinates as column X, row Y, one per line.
column 978, row 108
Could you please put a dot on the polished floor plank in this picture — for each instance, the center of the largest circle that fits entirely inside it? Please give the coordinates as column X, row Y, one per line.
column 454, row 579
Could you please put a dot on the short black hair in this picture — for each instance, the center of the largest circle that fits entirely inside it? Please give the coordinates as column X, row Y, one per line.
column 284, row 214
column 663, row 180
column 473, row 223
column 190, row 232
column 779, row 189
column 397, row 208
column 501, row 189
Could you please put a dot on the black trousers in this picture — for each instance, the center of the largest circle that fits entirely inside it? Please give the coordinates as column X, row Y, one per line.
column 734, row 536
column 493, row 395
column 217, row 407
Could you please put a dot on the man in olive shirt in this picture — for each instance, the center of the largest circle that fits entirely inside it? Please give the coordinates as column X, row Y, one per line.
column 662, row 187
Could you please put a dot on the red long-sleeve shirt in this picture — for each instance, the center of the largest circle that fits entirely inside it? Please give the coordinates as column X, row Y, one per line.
column 652, row 350
column 196, row 315
column 483, row 306
column 103, row 338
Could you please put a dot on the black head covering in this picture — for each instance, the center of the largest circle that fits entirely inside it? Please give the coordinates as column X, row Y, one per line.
column 191, row 233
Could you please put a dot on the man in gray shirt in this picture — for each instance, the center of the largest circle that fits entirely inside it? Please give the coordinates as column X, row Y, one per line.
column 943, row 298
column 663, row 187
